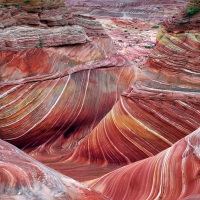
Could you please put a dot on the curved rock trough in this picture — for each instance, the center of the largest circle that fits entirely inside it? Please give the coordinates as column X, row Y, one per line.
column 110, row 104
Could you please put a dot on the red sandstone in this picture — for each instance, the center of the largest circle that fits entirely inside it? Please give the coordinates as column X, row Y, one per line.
column 106, row 104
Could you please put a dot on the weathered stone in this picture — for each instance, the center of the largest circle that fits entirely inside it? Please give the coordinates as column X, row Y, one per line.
column 31, row 4
column 28, row 37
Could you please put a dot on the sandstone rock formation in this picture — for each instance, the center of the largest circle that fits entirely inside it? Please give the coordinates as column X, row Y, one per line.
column 161, row 107
column 74, row 104
column 171, row 174
column 38, row 4
column 25, row 29
column 187, row 19
column 137, row 121
column 55, row 90
column 124, row 8
column 22, row 177
column 162, row 103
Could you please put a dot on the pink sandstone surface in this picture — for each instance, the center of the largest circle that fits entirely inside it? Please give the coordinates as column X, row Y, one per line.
column 171, row 174
column 22, row 177
column 105, row 103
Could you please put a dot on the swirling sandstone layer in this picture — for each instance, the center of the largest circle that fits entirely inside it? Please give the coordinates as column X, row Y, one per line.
column 60, row 105
column 22, row 177
column 133, row 129
column 161, row 107
column 162, row 103
column 53, row 91
column 52, row 97
column 172, row 174
column 50, row 110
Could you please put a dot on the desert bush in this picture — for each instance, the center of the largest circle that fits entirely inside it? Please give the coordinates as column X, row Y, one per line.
column 193, row 10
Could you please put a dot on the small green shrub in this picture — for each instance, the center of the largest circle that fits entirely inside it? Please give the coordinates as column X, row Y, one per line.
column 155, row 27
column 193, row 10
column 120, row 41
column 149, row 47
column 26, row 1
column 181, row 22
column 41, row 43
column 17, row 5
column 160, row 23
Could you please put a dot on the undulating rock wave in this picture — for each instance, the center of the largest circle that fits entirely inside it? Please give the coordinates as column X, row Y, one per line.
column 59, row 107
column 73, row 103
column 161, row 107
column 163, row 104
column 22, row 177
column 171, row 174
column 54, row 90
column 144, row 123
column 47, row 94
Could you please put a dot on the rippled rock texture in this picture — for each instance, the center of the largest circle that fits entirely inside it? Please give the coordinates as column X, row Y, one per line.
column 74, row 104
column 171, row 174
column 54, row 90
column 22, row 177
column 161, row 107
column 53, row 97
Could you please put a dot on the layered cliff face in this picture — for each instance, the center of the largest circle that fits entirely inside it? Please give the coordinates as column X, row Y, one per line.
column 124, row 8
column 38, row 4
column 22, row 28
